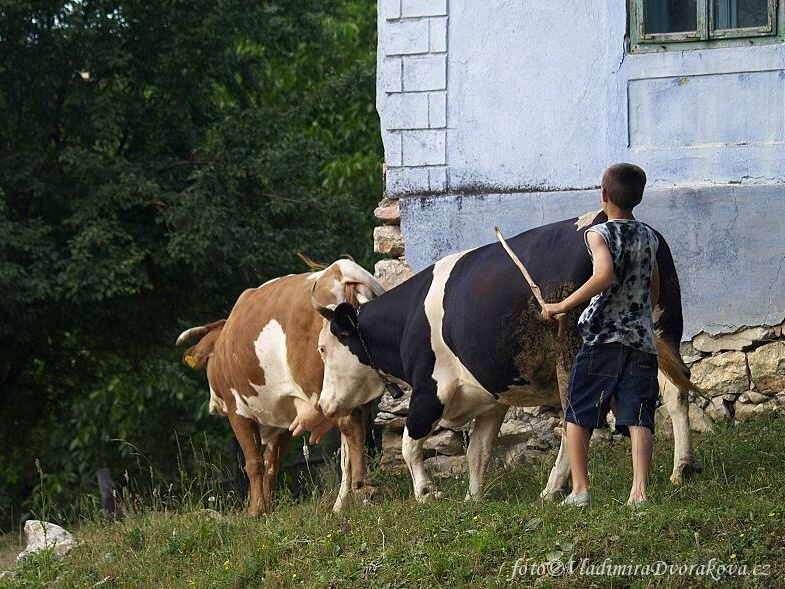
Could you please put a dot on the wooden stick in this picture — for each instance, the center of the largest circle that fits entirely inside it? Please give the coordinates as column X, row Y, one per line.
column 560, row 317
column 106, row 487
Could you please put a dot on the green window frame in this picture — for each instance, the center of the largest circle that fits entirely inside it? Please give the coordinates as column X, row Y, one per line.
column 715, row 25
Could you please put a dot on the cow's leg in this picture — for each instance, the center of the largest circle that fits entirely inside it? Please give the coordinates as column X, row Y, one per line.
column 353, row 469
column 361, row 484
column 247, row 433
column 424, row 487
column 346, row 476
column 273, row 454
column 486, row 428
column 425, row 411
column 677, row 404
column 560, row 473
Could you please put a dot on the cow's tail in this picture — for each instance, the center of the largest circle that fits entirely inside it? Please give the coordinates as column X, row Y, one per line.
column 312, row 266
column 675, row 369
column 196, row 356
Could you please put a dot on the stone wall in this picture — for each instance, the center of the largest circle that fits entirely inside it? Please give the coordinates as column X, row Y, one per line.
column 388, row 241
column 742, row 374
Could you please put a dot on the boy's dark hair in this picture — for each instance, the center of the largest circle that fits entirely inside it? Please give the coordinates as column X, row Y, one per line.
column 624, row 184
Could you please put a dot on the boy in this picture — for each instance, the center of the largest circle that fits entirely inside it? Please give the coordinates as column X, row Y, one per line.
column 618, row 359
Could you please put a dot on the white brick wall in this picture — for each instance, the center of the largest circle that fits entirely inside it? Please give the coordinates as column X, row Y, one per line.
column 412, row 94
column 405, row 37
column 408, row 110
column 438, row 35
column 390, row 9
column 423, row 147
column 391, row 74
column 416, row 8
column 424, row 72
column 437, row 110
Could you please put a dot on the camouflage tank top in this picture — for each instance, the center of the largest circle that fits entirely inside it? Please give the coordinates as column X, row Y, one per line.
column 622, row 312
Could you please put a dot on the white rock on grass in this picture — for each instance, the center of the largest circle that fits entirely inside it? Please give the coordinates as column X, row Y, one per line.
column 700, row 421
column 42, row 535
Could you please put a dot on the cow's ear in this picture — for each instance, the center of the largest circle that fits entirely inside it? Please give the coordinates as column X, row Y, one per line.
column 345, row 319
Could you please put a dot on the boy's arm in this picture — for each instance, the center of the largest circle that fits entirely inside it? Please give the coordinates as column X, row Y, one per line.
column 601, row 278
column 654, row 290
column 309, row 419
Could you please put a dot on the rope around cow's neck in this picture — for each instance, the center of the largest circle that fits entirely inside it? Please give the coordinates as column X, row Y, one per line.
column 391, row 387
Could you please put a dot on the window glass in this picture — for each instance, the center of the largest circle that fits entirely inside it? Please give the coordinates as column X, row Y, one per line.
column 740, row 14
column 671, row 16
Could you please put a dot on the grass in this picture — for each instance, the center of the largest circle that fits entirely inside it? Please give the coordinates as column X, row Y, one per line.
column 732, row 513
column 10, row 546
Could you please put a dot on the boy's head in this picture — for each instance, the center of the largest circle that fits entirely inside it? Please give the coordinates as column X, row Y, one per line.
column 623, row 184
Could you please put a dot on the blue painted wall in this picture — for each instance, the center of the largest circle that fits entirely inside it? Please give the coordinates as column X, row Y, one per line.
column 728, row 242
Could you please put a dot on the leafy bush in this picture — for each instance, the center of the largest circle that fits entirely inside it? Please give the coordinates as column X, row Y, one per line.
column 157, row 159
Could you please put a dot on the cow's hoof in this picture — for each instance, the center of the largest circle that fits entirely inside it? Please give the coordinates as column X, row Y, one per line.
column 428, row 494
column 551, row 495
column 684, row 472
column 366, row 493
column 340, row 503
column 258, row 507
column 363, row 493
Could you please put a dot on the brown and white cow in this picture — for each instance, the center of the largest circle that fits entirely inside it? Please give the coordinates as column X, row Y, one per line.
column 265, row 373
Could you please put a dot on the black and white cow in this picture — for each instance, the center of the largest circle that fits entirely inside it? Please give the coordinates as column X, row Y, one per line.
column 467, row 336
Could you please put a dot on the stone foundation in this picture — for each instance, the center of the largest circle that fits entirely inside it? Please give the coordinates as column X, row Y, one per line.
column 742, row 374
column 388, row 241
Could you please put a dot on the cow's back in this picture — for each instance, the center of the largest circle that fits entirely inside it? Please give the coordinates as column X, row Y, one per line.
column 492, row 320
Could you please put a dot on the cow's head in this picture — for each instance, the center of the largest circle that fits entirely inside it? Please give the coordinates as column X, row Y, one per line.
column 349, row 380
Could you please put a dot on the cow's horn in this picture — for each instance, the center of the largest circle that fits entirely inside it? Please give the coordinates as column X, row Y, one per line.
column 361, row 298
column 325, row 312
column 189, row 334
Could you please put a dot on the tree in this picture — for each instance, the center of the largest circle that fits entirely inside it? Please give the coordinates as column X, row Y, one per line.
column 158, row 158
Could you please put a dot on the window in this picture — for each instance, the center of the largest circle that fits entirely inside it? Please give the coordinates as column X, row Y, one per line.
column 657, row 25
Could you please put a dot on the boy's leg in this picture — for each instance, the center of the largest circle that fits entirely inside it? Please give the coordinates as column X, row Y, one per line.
column 592, row 385
column 578, row 451
column 642, row 442
column 636, row 403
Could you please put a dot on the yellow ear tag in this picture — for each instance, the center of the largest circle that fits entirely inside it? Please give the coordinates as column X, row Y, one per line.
column 190, row 360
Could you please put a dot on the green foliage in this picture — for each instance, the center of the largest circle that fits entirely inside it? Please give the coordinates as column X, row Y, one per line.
column 157, row 159
column 731, row 513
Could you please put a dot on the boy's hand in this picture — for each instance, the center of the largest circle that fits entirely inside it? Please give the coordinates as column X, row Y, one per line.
column 551, row 309
column 601, row 278
column 309, row 419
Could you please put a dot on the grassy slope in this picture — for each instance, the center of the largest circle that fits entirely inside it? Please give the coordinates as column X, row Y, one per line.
column 10, row 546
column 734, row 512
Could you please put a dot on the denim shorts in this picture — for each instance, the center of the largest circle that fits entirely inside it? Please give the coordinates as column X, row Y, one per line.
column 607, row 371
